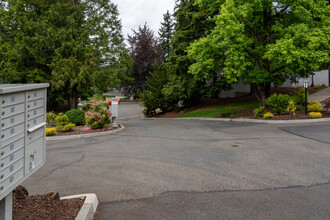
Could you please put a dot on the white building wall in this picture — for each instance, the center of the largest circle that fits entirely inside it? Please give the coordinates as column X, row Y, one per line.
column 320, row 77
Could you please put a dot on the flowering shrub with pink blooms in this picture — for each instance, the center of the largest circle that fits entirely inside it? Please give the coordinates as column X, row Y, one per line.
column 98, row 116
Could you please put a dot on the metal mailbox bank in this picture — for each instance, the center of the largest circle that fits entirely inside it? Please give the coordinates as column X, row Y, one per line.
column 22, row 137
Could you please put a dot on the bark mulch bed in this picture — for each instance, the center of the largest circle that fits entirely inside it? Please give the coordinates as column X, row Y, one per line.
column 43, row 207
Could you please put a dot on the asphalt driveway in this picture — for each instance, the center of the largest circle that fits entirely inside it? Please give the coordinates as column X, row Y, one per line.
column 183, row 169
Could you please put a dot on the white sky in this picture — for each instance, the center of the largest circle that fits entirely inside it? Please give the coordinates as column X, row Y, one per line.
column 136, row 12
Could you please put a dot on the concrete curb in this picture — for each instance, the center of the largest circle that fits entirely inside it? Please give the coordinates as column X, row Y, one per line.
column 122, row 127
column 89, row 207
column 298, row 121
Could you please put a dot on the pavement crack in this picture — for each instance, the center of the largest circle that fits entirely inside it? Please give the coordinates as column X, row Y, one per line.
column 57, row 168
column 215, row 191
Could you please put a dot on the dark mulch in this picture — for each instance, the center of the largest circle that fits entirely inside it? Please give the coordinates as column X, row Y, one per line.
column 41, row 207
column 82, row 129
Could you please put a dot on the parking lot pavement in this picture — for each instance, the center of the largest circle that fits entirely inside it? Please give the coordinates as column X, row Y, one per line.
column 320, row 133
column 183, row 168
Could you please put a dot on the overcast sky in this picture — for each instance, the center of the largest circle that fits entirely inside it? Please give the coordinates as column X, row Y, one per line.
column 136, row 12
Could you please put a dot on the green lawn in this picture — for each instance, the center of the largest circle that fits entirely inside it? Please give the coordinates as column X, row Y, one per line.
column 221, row 110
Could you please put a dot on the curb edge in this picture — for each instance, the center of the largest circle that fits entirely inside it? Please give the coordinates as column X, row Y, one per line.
column 89, row 207
column 66, row 137
column 298, row 121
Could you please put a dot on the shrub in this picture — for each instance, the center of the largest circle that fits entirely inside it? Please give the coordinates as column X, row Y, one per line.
column 291, row 108
column 50, row 117
column 65, row 127
column 298, row 107
column 315, row 107
column 268, row 115
column 324, row 85
column 99, row 116
column 259, row 112
column 50, row 131
column 299, row 96
column 76, row 116
column 318, row 86
column 63, row 123
column 315, row 114
column 278, row 103
column 61, row 118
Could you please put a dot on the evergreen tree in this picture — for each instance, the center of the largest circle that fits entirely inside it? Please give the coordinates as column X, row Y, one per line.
column 191, row 23
column 145, row 52
column 165, row 34
column 74, row 45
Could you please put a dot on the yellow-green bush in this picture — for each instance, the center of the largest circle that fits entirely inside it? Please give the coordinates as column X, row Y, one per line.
column 291, row 108
column 268, row 115
column 315, row 107
column 50, row 131
column 315, row 114
column 65, row 127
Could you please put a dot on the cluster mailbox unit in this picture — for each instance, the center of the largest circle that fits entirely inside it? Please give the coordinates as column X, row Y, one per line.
column 22, row 135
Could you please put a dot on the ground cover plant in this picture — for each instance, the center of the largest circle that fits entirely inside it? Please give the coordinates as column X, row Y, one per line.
column 221, row 110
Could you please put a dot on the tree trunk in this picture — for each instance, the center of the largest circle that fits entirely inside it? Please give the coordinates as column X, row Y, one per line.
column 252, row 89
column 74, row 98
column 261, row 94
column 268, row 89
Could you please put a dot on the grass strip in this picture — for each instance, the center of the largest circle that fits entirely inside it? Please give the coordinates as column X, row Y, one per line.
column 221, row 110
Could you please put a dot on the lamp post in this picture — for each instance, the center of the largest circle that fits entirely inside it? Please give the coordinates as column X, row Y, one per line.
column 305, row 86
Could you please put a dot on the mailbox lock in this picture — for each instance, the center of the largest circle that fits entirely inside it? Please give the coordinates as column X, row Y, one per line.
column 3, row 101
column 29, row 96
column 28, row 125
column 28, row 106
column 3, row 124
column 28, row 115
column 3, row 113
column 1, row 188
column 2, row 153
column 1, row 177
column 2, row 136
column 2, row 164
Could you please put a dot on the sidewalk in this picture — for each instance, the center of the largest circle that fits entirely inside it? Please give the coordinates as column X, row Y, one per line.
column 320, row 96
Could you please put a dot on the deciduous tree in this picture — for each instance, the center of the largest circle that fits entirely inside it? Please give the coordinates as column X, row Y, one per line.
column 265, row 42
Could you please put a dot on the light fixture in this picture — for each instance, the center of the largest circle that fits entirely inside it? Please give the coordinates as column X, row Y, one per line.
column 305, row 84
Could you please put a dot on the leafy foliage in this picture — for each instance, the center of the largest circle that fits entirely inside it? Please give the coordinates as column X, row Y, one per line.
column 315, row 114
column 264, row 42
column 154, row 97
column 315, row 107
column 76, row 116
column 259, row 112
column 291, row 109
column 279, row 102
column 165, row 34
column 268, row 115
column 145, row 52
column 71, row 44
column 99, row 116
column 50, row 117
column 299, row 96
column 62, row 123
column 50, row 131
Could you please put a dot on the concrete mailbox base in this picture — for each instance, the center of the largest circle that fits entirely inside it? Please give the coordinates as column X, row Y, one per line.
column 6, row 207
